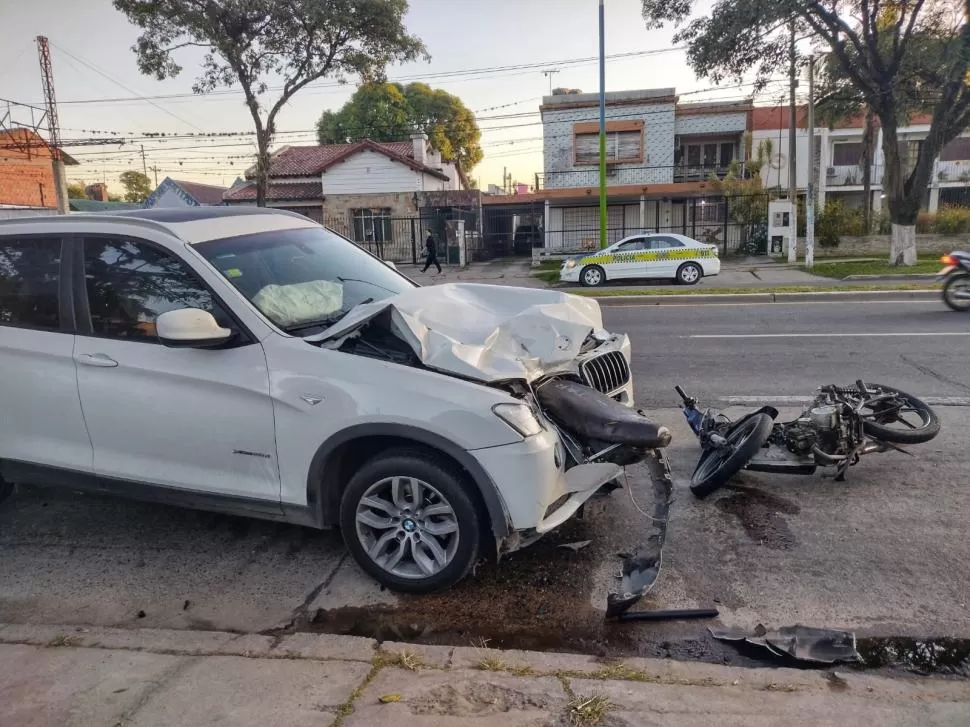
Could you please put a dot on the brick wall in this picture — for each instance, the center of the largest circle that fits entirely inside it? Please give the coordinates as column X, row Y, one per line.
column 339, row 206
column 26, row 177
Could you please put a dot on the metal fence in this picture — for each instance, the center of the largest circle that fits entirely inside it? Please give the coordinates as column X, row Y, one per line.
column 736, row 224
column 402, row 239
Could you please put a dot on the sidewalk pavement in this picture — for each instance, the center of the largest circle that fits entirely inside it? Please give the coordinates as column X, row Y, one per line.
column 67, row 676
column 747, row 273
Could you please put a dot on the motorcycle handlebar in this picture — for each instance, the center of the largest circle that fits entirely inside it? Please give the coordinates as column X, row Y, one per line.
column 683, row 395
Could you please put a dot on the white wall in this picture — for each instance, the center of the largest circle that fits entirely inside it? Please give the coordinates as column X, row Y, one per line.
column 170, row 198
column 368, row 172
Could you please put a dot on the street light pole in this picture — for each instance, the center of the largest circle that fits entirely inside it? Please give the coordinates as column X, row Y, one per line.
column 602, row 128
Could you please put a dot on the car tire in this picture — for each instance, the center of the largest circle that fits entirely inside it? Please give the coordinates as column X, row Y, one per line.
column 430, row 556
column 592, row 276
column 689, row 274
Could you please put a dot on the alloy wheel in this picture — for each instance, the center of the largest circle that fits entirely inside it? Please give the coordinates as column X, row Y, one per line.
column 407, row 527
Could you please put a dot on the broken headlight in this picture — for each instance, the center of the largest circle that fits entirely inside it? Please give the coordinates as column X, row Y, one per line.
column 520, row 417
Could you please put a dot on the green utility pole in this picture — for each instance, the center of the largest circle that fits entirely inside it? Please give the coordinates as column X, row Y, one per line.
column 603, row 243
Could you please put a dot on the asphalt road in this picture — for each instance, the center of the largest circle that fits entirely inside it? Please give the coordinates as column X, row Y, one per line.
column 777, row 349
column 884, row 553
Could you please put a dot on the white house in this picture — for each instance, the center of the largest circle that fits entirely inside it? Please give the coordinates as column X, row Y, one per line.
column 839, row 155
column 357, row 184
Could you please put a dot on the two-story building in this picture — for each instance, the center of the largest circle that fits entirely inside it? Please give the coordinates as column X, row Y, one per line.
column 660, row 157
column 838, row 160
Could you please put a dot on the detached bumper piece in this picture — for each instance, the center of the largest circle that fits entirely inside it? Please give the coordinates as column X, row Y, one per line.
column 641, row 570
column 802, row 643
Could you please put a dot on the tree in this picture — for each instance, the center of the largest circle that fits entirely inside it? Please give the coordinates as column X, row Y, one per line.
column 885, row 50
column 744, row 192
column 137, row 186
column 251, row 42
column 75, row 190
column 391, row 112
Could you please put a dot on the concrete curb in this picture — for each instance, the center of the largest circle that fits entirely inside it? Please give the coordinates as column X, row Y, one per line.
column 738, row 298
column 915, row 277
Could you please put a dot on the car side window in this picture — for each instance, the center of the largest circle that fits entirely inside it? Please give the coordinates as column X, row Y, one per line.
column 29, row 282
column 663, row 242
column 131, row 283
column 632, row 246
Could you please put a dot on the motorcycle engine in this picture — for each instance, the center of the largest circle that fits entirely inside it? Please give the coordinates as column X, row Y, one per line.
column 826, row 420
column 817, row 426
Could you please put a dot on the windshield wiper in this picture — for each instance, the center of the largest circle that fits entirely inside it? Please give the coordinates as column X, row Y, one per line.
column 328, row 321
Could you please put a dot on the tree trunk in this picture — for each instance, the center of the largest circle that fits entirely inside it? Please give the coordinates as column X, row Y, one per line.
column 904, row 198
column 262, row 167
column 903, row 250
column 868, row 137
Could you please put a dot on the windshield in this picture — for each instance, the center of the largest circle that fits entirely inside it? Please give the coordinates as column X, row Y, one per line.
column 302, row 279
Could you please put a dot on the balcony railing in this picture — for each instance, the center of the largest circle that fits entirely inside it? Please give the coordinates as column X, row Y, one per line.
column 850, row 175
column 955, row 171
column 622, row 175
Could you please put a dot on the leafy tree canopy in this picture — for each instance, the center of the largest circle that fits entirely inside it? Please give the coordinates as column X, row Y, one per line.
column 271, row 48
column 137, row 186
column 893, row 55
column 392, row 112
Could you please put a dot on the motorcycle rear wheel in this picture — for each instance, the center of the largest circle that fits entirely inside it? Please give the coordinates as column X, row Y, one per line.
column 875, row 422
column 719, row 464
column 954, row 284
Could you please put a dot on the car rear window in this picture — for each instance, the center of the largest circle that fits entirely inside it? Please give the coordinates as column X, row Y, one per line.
column 29, row 278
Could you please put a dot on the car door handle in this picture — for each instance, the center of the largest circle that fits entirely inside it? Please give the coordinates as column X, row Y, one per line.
column 101, row 360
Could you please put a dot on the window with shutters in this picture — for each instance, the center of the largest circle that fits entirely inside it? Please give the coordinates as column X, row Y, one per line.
column 621, row 147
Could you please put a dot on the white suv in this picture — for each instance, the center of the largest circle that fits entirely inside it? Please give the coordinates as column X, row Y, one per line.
column 249, row 361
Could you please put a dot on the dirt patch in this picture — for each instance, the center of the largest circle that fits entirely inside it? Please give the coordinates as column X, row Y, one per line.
column 537, row 599
column 761, row 516
column 468, row 699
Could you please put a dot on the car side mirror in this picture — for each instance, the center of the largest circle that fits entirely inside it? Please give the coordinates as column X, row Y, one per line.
column 190, row 328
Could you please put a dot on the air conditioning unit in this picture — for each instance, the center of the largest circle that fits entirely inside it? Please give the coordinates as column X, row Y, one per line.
column 829, row 171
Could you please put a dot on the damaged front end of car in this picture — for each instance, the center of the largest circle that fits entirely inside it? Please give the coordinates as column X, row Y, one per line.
column 546, row 349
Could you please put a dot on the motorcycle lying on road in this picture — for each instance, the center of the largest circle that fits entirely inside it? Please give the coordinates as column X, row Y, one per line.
column 956, row 280
column 838, row 427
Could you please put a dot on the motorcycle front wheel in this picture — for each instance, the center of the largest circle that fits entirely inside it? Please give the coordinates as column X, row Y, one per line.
column 956, row 292
column 719, row 464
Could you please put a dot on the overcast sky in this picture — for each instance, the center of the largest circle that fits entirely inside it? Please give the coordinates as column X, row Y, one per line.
column 93, row 61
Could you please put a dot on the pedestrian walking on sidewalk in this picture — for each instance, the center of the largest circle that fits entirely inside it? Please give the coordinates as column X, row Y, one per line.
column 432, row 258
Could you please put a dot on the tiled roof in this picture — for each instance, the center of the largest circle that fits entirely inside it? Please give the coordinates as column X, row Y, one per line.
column 203, row 193
column 276, row 192
column 309, row 161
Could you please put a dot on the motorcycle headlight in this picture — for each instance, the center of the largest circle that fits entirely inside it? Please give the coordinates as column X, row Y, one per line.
column 519, row 417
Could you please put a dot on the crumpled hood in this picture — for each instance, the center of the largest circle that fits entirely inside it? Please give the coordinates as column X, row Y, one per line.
column 483, row 332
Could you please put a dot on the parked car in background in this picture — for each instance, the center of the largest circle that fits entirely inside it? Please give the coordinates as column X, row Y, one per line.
column 643, row 256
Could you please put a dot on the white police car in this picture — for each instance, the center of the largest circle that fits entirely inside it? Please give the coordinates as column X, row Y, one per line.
column 645, row 255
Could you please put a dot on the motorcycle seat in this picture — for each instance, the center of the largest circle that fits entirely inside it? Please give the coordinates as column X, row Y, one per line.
column 589, row 414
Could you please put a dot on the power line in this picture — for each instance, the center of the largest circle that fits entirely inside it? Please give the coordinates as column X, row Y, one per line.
column 120, row 84
column 425, row 76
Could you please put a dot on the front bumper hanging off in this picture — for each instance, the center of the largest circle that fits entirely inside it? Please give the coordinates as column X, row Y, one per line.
column 641, row 569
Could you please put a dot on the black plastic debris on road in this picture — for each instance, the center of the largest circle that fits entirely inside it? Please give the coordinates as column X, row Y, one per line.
column 641, row 570
column 802, row 643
